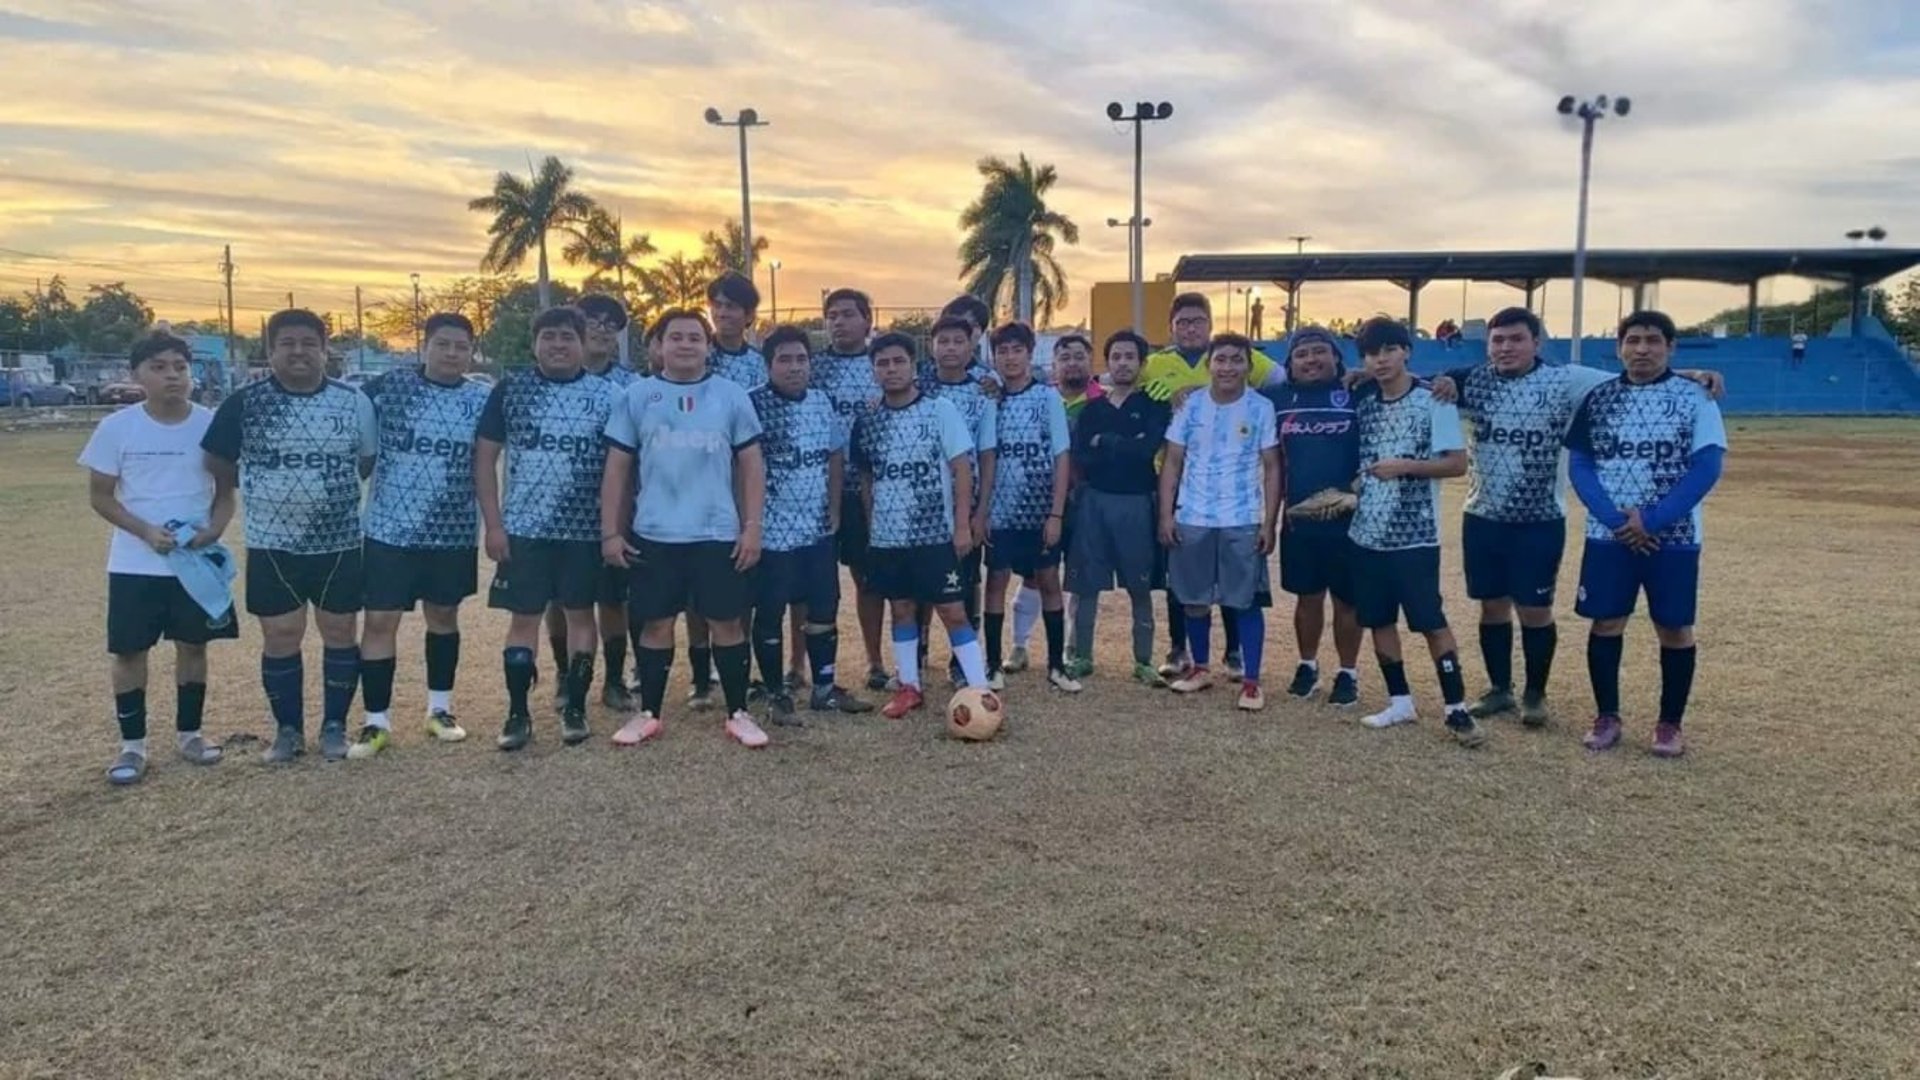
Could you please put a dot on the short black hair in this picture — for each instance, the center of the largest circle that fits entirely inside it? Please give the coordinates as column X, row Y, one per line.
column 607, row 309
column 1013, row 332
column 1649, row 320
column 1075, row 336
column 561, row 315
column 736, row 287
column 1380, row 333
column 444, row 320
column 673, row 315
column 158, row 343
column 1235, row 341
column 1187, row 300
column 785, row 335
column 293, row 317
column 1517, row 316
column 971, row 308
column 861, row 301
column 951, row 322
column 893, row 340
column 1120, row 336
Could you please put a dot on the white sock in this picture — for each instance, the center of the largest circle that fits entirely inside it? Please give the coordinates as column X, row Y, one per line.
column 906, row 656
column 1402, row 703
column 134, row 746
column 1310, row 664
column 973, row 663
column 439, row 701
column 182, row 738
column 1351, row 673
column 379, row 720
column 1026, row 612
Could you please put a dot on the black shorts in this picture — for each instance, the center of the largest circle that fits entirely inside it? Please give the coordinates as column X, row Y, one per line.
column 539, row 572
column 1512, row 560
column 398, row 578
column 1386, row 583
column 280, row 582
column 1020, row 551
column 851, row 542
column 1314, row 560
column 696, row 577
column 142, row 609
column 927, row 574
column 615, row 583
column 806, row 577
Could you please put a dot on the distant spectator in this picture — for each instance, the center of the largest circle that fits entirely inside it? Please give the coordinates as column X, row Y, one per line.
column 1799, row 347
column 1447, row 333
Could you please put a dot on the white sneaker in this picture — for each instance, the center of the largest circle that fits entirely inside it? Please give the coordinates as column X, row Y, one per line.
column 996, row 680
column 1017, row 660
column 1395, row 714
column 1195, row 680
column 1060, row 680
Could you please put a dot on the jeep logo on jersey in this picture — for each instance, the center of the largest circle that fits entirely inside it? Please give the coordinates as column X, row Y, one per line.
column 1654, row 450
column 794, row 457
column 1022, row 451
column 547, row 443
column 1524, row 438
column 406, row 442
column 310, row 459
column 914, row 471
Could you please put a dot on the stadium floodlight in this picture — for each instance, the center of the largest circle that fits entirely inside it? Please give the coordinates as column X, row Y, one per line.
column 1566, row 107
column 1143, row 112
column 746, row 118
column 1590, row 112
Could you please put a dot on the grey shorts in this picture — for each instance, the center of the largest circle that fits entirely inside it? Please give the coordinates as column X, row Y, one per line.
column 1113, row 543
column 1217, row 567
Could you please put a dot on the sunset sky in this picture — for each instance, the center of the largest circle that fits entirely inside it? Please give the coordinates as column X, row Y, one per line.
column 336, row 142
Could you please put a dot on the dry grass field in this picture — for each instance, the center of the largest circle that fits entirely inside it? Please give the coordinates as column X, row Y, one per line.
column 1124, row 885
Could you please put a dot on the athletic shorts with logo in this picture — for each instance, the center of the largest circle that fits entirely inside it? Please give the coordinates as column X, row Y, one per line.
column 398, row 577
column 1217, row 567
column 1612, row 577
column 697, row 577
column 280, row 582
column 927, row 574
column 805, row 577
column 1387, row 584
column 541, row 572
column 1517, row 560
column 1113, row 542
column 143, row 608
column 1021, row 552
column 1315, row 559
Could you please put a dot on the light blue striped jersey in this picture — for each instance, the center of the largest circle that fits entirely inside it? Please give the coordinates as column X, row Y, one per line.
column 299, row 457
column 746, row 367
column 909, row 452
column 551, row 429
column 1515, row 461
column 799, row 437
column 422, row 491
column 1222, row 484
column 1642, row 437
column 1031, row 434
column 685, row 436
column 1403, row 512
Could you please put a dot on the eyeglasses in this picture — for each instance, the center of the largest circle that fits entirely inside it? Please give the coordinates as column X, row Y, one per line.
column 1191, row 321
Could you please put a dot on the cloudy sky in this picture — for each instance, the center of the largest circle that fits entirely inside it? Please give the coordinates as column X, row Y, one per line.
column 336, row 142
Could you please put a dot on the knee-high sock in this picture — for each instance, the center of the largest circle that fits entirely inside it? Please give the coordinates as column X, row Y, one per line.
column 906, row 652
column 769, row 645
column 1056, row 624
column 1537, row 645
column 701, row 657
column 285, row 680
column 1176, row 623
column 1200, row 637
column 1496, row 651
column 518, row 665
column 1230, row 629
column 1453, row 684
column 1026, row 612
column 1603, row 672
column 614, row 649
column 557, row 641
column 376, row 689
column 341, row 671
column 1142, row 604
column 1676, row 682
column 579, row 679
column 966, row 649
column 1395, row 674
column 823, row 650
column 443, row 663
column 654, row 665
column 734, row 663
column 1253, row 640
column 996, row 630
column 1086, row 610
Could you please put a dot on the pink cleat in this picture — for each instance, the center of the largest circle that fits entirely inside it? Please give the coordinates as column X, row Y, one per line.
column 741, row 729
column 640, row 728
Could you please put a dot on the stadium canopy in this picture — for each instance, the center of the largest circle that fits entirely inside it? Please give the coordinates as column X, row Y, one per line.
column 1854, row 268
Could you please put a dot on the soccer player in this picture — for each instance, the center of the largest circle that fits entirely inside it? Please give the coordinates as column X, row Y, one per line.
column 952, row 379
column 844, row 373
column 1319, row 452
column 543, row 533
column 695, row 531
column 1114, row 535
column 912, row 451
column 1219, row 499
column 1646, row 450
column 805, row 458
column 732, row 303
column 979, row 317
column 298, row 444
column 1028, row 511
column 147, row 476
column 422, row 528
column 1409, row 441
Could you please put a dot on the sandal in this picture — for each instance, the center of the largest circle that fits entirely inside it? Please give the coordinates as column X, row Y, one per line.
column 126, row 769
column 198, row 751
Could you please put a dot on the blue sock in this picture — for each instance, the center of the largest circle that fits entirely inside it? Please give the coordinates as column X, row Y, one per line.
column 340, row 671
column 284, row 678
column 1199, row 637
column 1253, row 638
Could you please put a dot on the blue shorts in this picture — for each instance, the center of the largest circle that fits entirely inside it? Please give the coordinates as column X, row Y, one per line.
column 807, row 577
column 1611, row 578
column 1020, row 551
column 1387, row 583
column 1512, row 560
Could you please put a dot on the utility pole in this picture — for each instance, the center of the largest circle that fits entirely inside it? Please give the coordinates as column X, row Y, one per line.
column 226, row 273
column 359, row 328
column 289, row 299
column 419, row 335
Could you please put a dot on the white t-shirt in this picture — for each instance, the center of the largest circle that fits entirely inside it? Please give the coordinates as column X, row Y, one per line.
column 163, row 477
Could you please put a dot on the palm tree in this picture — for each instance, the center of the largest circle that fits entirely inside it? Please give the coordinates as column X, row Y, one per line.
column 599, row 242
column 524, row 212
column 1011, row 238
column 676, row 281
column 723, row 249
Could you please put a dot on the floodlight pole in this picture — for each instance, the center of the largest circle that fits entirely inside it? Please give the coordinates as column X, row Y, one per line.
column 1137, row 248
column 746, row 118
column 1590, row 112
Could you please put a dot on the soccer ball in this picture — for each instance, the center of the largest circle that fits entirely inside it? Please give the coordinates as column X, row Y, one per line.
column 974, row 714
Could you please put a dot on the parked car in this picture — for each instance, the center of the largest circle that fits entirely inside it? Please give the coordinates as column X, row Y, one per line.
column 32, row 388
column 121, row 393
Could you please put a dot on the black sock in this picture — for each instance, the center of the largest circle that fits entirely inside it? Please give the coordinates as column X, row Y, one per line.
column 443, row 660
column 1055, row 623
column 1676, row 682
column 1230, row 630
column 579, row 680
column 1603, row 671
column 376, row 684
column 190, row 706
column 615, row 650
column 1395, row 672
column 734, row 661
column 340, row 674
column 633, row 640
column 923, row 625
column 1537, row 645
column 130, row 709
column 1176, row 624
column 701, row 656
column 1496, row 651
column 654, row 665
column 557, row 642
column 1453, row 685
column 823, row 649
column 518, row 663
column 996, row 629
column 284, row 678
column 769, row 645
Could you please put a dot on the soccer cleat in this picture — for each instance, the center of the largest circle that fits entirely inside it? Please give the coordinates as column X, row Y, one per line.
column 1466, row 730
column 1017, row 660
column 700, row 700
column 904, row 700
column 833, row 699
column 741, row 729
column 1064, row 681
column 1306, row 678
column 1236, row 670
column 1493, row 703
column 1667, row 740
column 780, row 711
column 196, row 750
column 288, row 746
column 616, row 697
column 443, row 727
column 1252, row 698
column 877, row 679
column 573, row 727
column 333, row 742
column 1605, row 734
column 369, row 741
column 1177, row 664
column 639, row 727
column 126, row 769
column 796, row 681
column 1396, row 713
column 1533, row 710
column 996, row 680
column 1346, row 691
column 1080, row 667
column 1149, row 676
column 1195, row 680
column 517, row 732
